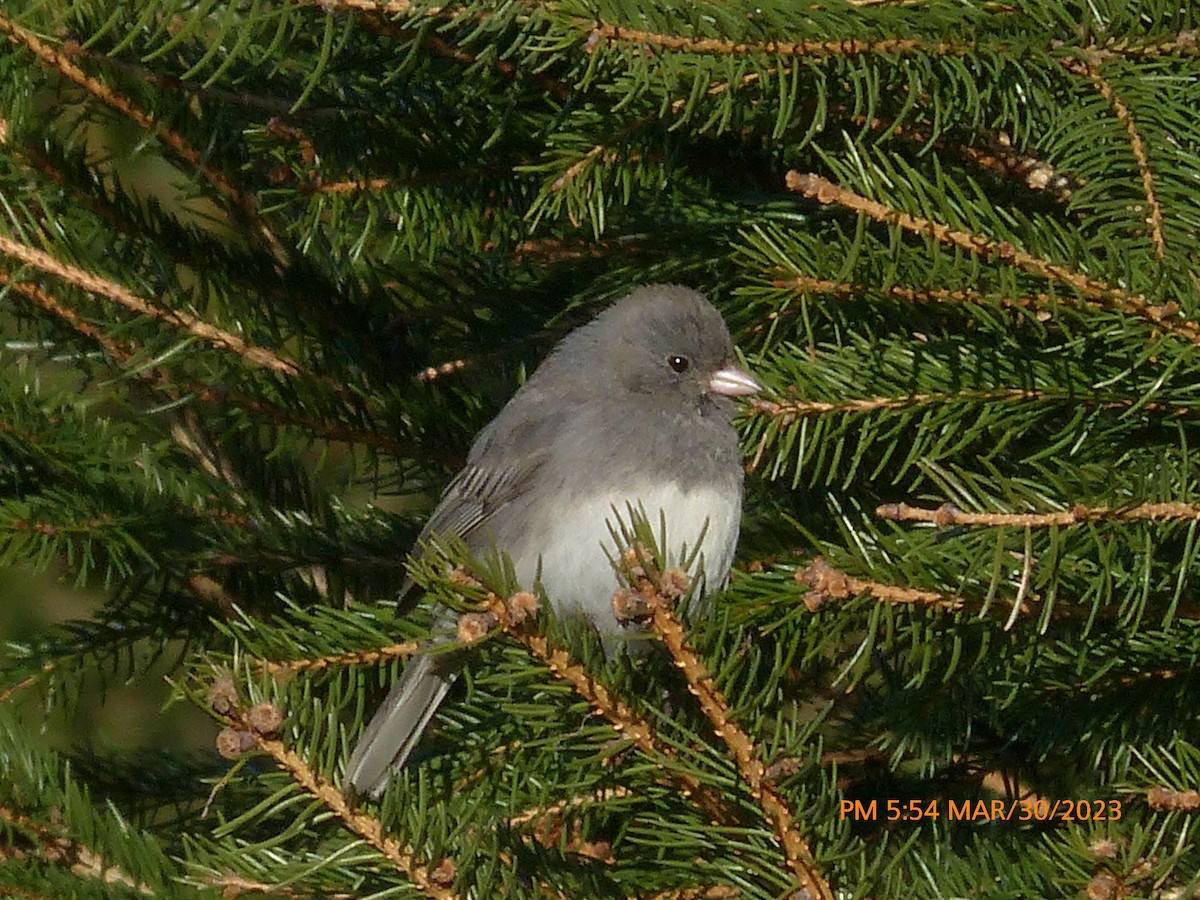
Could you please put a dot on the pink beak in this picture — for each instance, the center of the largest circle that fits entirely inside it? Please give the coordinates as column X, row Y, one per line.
column 733, row 382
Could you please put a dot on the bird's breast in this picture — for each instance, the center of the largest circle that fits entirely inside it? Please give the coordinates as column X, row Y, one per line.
column 569, row 549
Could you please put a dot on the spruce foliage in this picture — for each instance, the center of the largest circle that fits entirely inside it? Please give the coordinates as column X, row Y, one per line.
column 267, row 266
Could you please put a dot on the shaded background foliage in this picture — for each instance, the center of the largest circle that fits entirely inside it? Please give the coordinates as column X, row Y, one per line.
column 268, row 266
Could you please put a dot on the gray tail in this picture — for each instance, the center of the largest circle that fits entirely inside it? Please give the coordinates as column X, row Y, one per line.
column 397, row 725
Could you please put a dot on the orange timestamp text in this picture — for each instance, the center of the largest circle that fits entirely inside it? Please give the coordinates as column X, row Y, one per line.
column 997, row 810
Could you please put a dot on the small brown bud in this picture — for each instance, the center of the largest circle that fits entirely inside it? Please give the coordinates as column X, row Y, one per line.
column 946, row 514
column 521, row 606
column 1102, row 887
column 673, row 583
column 265, row 718
column 630, row 606
column 598, row 850
column 223, row 696
column 444, row 873
column 1105, row 848
column 824, row 579
column 232, row 743
column 475, row 626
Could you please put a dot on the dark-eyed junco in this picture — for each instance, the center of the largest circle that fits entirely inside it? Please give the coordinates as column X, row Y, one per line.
column 632, row 408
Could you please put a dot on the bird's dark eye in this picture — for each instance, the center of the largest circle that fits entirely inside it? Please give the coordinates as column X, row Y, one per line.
column 679, row 363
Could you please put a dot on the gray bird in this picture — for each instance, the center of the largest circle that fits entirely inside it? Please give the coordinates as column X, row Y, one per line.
column 632, row 409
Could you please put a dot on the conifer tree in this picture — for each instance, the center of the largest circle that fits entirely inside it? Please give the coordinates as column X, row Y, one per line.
column 267, row 266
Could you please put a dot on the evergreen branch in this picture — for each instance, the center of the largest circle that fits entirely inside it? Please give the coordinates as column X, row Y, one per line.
column 359, row 185
column 35, row 158
column 387, row 7
column 56, row 849
column 354, row 658
column 432, row 373
column 121, row 295
column 325, row 428
column 1185, row 42
column 316, row 185
column 999, row 156
column 232, row 886
column 545, row 251
column 188, row 434
column 791, row 410
column 614, row 34
column 220, row 397
column 826, row 583
column 28, row 681
column 948, row 514
column 724, row 87
column 1136, row 145
column 703, row 892
column 700, row 683
column 843, row 289
column 546, row 825
column 620, row 715
column 367, row 827
column 175, row 142
column 1002, row 158
column 557, row 89
column 77, row 323
column 582, row 163
column 561, row 91
column 825, row 192
column 247, row 99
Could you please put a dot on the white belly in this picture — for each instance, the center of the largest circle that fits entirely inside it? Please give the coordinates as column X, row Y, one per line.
column 571, row 550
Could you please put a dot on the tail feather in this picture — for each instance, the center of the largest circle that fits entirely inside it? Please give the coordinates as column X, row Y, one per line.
column 397, row 725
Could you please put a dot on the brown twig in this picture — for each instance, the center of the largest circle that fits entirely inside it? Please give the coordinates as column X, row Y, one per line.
column 257, row 727
column 27, row 682
column 948, row 514
column 233, row 886
column 546, row 825
column 1136, row 146
column 53, row 847
column 220, row 397
column 826, row 583
column 121, row 295
column 353, row 658
column 614, row 34
column 365, row 826
column 1166, row 316
column 561, row 91
column 700, row 683
column 620, row 715
column 386, row 7
column 844, row 289
column 172, row 140
column 790, row 410
column 996, row 155
column 1171, row 800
